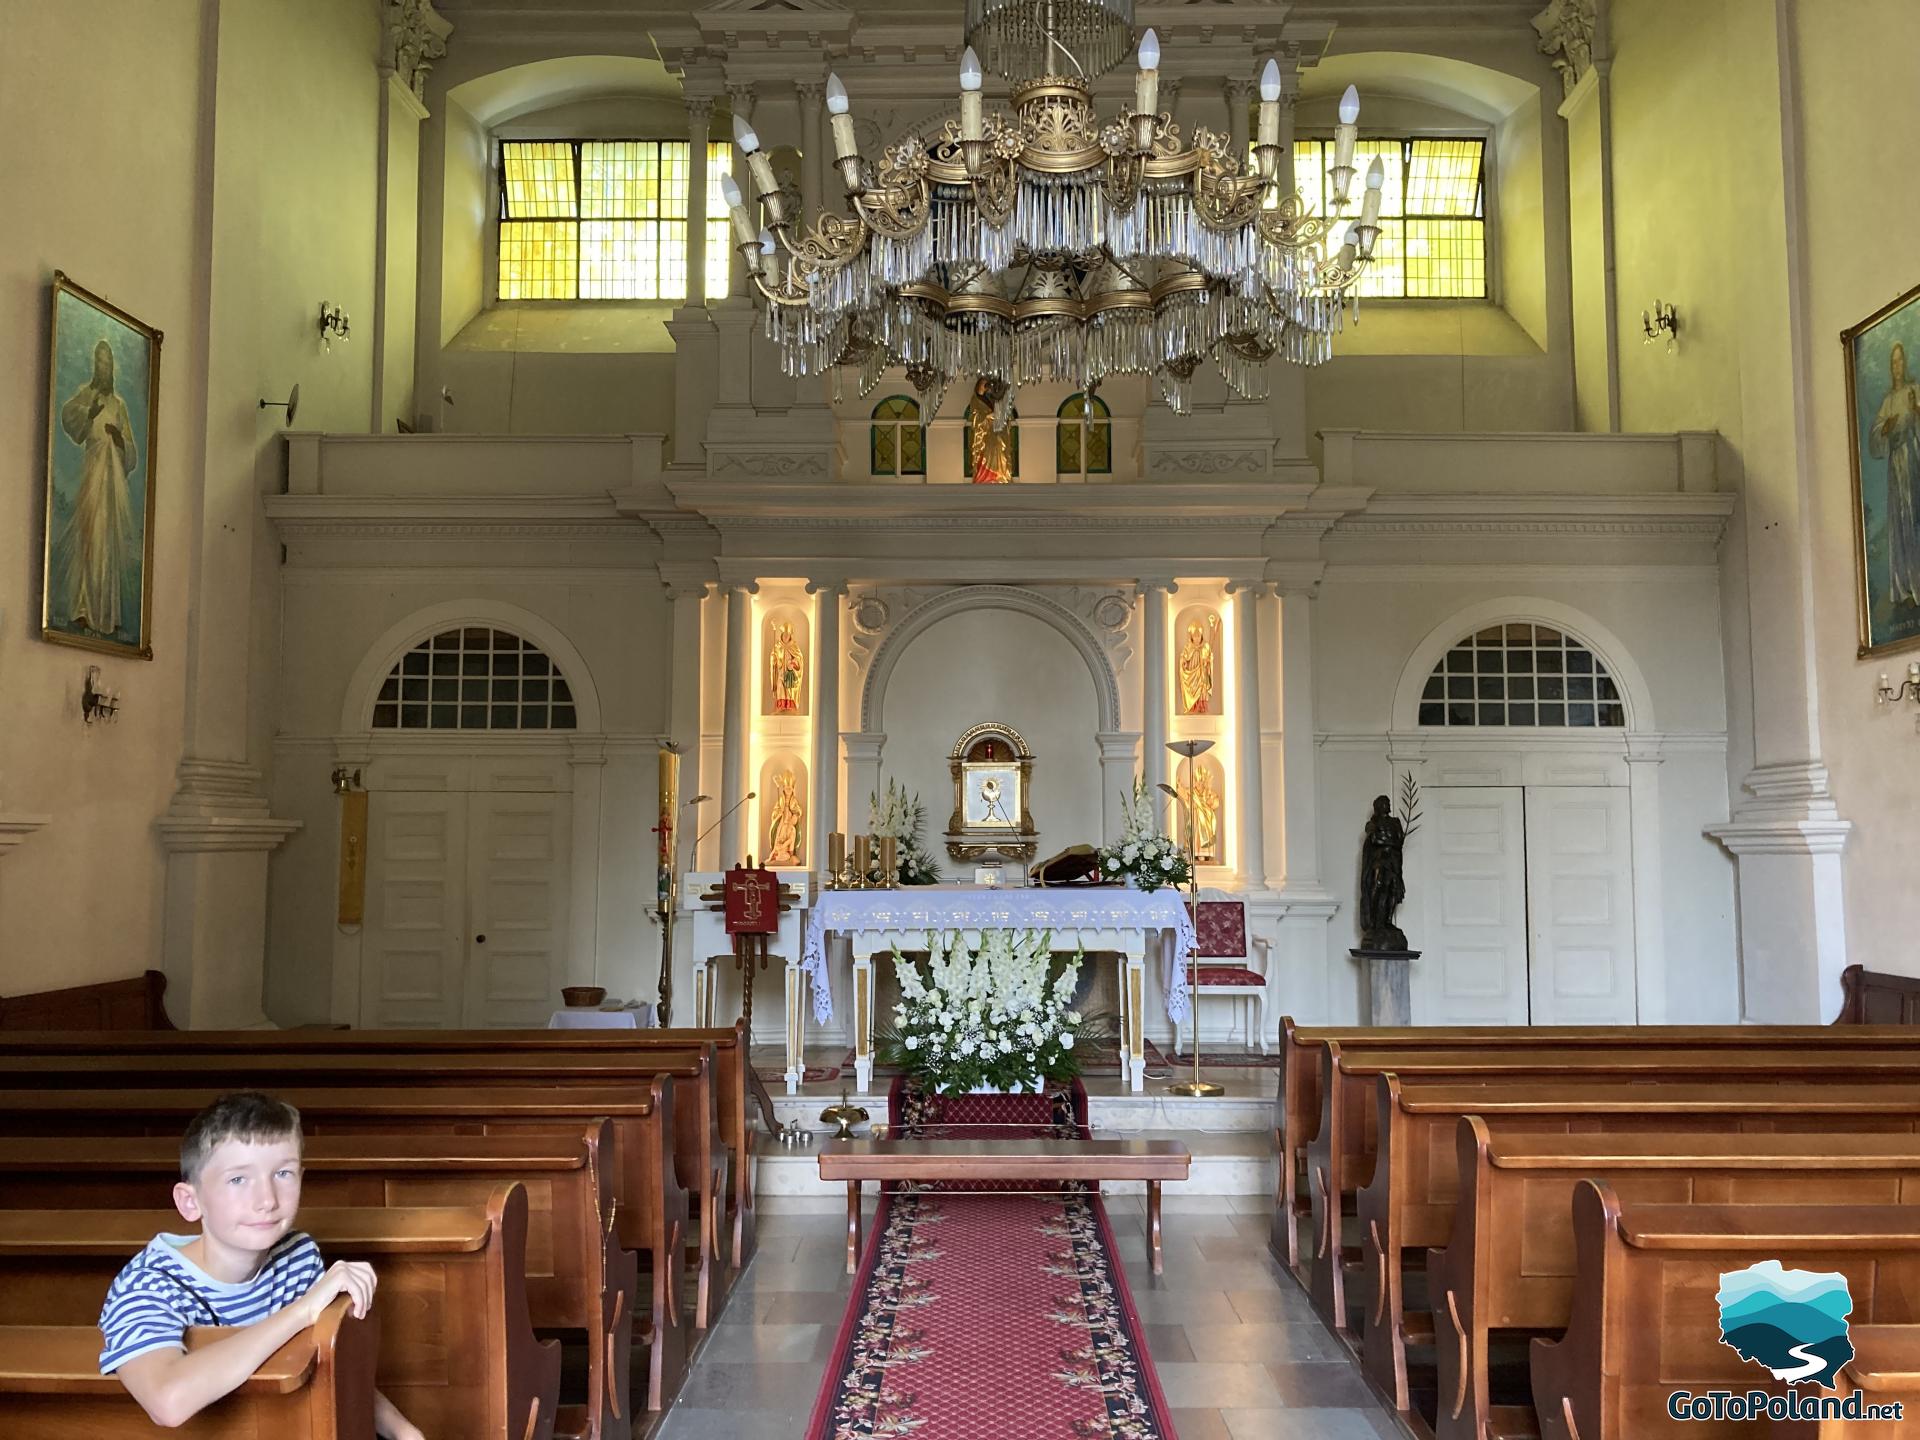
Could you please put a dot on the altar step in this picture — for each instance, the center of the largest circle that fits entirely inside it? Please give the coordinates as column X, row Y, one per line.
column 1229, row 1162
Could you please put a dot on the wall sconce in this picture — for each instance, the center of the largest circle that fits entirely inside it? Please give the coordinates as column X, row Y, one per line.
column 333, row 322
column 95, row 703
column 1888, row 693
column 1663, row 319
column 345, row 780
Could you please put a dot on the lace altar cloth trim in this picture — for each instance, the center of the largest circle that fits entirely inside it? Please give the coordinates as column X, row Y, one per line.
column 1066, row 911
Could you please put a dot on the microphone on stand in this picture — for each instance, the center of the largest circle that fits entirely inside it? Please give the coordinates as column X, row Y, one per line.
column 723, row 815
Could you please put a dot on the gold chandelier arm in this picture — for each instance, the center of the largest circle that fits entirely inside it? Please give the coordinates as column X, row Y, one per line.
column 1289, row 227
column 1225, row 201
column 790, row 293
column 831, row 244
column 897, row 211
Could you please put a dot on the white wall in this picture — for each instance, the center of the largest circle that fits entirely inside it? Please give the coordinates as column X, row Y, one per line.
column 996, row 665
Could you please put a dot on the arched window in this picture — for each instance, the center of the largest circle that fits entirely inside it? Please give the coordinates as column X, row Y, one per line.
column 1522, row 674
column 1084, row 441
column 898, row 443
column 474, row 678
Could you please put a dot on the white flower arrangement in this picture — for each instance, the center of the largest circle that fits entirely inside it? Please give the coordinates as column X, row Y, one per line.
column 904, row 817
column 1142, row 854
column 982, row 1017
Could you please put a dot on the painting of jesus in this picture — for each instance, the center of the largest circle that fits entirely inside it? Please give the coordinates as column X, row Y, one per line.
column 1883, row 394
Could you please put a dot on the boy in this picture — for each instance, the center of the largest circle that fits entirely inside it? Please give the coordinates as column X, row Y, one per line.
column 248, row 1266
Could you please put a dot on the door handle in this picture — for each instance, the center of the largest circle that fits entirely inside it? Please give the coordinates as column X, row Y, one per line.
column 479, row 939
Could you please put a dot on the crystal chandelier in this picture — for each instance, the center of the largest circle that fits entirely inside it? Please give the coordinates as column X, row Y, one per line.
column 1046, row 244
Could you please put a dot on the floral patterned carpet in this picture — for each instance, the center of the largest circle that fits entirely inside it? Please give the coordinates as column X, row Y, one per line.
column 991, row 1317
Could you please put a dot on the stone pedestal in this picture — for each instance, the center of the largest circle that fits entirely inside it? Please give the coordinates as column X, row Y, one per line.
column 1389, row 992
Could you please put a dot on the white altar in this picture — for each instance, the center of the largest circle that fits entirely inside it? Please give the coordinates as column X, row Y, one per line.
column 1093, row 917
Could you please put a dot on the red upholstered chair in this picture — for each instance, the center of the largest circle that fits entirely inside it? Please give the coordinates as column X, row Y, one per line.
column 1226, row 962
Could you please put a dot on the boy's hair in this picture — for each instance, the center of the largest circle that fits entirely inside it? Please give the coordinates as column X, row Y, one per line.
column 246, row 1115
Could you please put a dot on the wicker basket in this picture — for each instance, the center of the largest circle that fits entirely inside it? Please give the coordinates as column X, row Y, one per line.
column 583, row 997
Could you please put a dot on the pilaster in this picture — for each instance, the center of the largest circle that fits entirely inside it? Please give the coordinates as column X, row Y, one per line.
column 1154, row 682
column 1248, row 760
column 738, row 683
column 828, row 598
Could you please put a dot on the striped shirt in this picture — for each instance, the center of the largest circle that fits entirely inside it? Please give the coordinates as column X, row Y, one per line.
column 160, row 1293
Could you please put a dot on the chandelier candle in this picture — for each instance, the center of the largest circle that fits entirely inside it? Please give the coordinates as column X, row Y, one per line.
column 1344, row 136
column 1146, row 92
column 1269, row 147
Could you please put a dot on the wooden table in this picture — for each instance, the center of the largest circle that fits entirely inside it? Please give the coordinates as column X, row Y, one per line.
column 1037, row 1162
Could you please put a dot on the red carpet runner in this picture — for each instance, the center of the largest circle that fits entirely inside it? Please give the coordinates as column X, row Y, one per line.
column 991, row 1317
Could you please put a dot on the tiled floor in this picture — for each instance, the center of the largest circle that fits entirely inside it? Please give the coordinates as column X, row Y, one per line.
column 1238, row 1350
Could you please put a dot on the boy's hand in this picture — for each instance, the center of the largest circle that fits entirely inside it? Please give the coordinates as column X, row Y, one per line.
column 343, row 1277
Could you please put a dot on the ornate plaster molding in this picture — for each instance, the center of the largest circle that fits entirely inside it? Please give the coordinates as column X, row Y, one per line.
column 1566, row 31
column 412, row 37
column 780, row 464
column 220, row 807
column 1210, row 462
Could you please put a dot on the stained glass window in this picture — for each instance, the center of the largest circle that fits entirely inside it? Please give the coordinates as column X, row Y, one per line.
column 898, row 441
column 1085, row 433
column 593, row 220
column 1433, row 229
column 719, row 226
column 475, row 678
column 1524, row 675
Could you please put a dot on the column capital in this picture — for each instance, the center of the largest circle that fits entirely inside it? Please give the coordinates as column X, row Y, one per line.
column 729, row 583
column 812, row 91
column 827, row 586
column 686, row 582
column 740, row 98
column 1236, row 87
column 699, row 110
column 1147, row 584
column 1299, row 578
column 1243, row 586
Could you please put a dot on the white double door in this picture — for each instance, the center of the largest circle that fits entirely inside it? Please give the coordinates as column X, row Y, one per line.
column 1526, row 894
column 466, row 909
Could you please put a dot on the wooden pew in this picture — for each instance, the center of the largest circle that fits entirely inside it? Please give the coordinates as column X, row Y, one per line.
column 1645, row 1322
column 1297, row 1097
column 577, row 1275
column 700, row 1158
column 1340, row 1159
column 117, row 1005
column 1409, row 1204
column 1885, row 1370
column 317, row 1386
column 733, row 1078
column 457, row 1352
column 650, row 1208
column 1509, row 1263
column 1871, row 998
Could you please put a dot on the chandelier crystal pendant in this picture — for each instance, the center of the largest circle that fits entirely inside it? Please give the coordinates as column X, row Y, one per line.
column 1047, row 244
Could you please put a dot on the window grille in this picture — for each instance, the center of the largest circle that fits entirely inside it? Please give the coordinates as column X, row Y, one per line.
column 1433, row 229
column 1522, row 675
column 599, row 219
column 475, row 678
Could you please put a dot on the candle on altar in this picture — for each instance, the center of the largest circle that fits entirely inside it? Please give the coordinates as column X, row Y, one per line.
column 862, row 860
column 889, row 861
column 836, row 855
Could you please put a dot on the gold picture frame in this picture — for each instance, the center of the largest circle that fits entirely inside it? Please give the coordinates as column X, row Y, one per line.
column 1883, row 421
column 96, row 572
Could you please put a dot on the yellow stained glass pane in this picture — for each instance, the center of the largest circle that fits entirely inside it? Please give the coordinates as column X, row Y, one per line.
column 1446, row 258
column 897, row 407
column 1386, row 276
column 1443, row 177
column 884, row 462
column 913, row 450
column 719, row 229
column 614, row 259
column 538, row 259
column 1393, row 188
column 1310, row 174
column 538, row 178
column 1066, row 457
column 614, row 175
column 670, row 276
column 1100, row 449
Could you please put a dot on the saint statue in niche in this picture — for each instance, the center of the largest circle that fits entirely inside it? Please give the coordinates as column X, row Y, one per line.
column 1382, row 885
column 1895, row 438
column 1203, row 798
column 786, row 664
column 989, row 451
column 783, row 828
column 1196, row 667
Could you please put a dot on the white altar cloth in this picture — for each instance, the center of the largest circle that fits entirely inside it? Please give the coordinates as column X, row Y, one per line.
column 1067, row 910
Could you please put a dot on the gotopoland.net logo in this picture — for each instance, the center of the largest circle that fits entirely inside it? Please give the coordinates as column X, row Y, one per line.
column 1793, row 1322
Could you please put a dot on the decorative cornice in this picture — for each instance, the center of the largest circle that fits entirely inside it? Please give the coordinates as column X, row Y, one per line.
column 779, row 464
column 1710, row 529
column 1210, row 462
